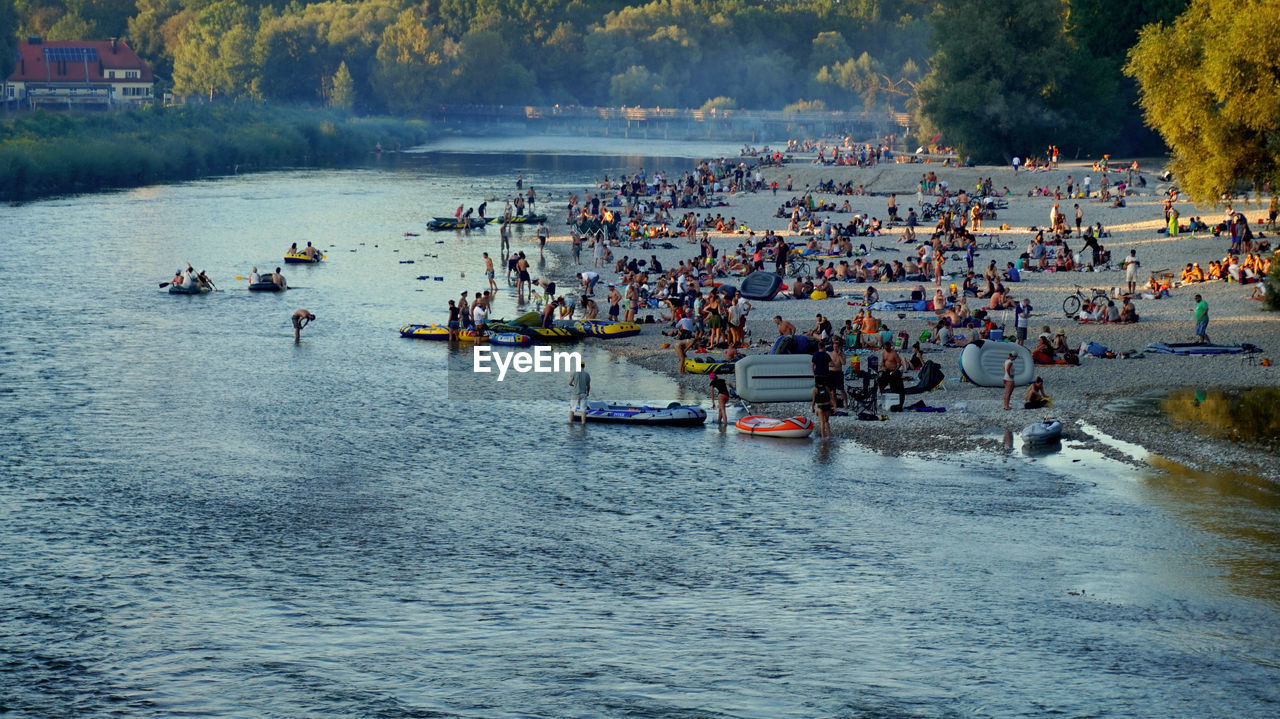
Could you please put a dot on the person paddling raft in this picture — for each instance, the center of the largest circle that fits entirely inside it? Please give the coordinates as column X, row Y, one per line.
column 278, row 279
column 301, row 318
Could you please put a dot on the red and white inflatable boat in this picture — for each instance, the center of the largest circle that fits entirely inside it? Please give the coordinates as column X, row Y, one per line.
column 791, row 428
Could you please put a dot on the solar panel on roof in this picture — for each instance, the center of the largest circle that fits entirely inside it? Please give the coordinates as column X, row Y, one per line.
column 70, row 54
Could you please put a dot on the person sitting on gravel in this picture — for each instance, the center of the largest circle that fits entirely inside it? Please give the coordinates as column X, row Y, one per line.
column 824, row 285
column 1090, row 313
column 1043, row 352
column 1128, row 314
column 1060, row 345
column 943, row 335
column 1000, row 301
column 1035, row 397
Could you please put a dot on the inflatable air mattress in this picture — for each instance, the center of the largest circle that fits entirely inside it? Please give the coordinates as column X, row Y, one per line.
column 775, row 378
column 1191, row 348
column 982, row 363
column 794, row 345
column 762, row 286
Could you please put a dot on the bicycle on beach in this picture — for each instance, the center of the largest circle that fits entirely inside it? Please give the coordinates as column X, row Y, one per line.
column 797, row 267
column 1072, row 304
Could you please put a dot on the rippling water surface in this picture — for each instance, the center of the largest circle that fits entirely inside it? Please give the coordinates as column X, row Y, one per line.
column 199, row 518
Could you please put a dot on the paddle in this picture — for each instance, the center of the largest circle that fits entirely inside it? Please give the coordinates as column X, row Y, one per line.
column 164, row 284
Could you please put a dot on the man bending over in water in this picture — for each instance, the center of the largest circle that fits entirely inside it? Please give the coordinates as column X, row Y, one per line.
column 301, row 318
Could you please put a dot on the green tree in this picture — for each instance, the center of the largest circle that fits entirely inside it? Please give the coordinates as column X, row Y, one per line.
column 214, row 52
column 153, row 32
column 636, row 86
column 1214, row 96
column 861, row 78
column 805, row 106
column 8, row 38
column 109, row 18
column 716, row 104
column 72, row 27
column 412, row 60
column 1007, row 79
column 344, row 89
column 828, row 48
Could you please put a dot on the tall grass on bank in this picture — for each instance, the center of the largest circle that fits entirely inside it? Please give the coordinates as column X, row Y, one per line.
column 52, row 153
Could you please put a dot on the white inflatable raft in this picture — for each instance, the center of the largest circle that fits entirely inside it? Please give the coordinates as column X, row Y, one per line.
column 1045, row 431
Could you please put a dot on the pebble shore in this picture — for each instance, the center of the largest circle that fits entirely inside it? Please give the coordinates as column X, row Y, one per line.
column 974, row 416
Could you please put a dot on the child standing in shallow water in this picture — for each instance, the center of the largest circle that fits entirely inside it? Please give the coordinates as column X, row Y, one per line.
column 824, row 404
column 719, row 396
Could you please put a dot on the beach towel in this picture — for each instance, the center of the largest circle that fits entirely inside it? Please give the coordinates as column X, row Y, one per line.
column 1191, row 348
column 897, row 306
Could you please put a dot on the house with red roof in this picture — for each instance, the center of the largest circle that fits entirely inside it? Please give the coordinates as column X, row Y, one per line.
column 67, row 74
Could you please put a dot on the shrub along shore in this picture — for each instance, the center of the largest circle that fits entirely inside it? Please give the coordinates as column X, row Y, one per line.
column 51, row 153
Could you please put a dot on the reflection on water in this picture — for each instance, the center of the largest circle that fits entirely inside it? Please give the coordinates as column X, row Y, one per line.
column 1240, row 508
column 1251, row 415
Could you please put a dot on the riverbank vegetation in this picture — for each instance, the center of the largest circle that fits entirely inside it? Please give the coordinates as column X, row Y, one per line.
column 48, row 153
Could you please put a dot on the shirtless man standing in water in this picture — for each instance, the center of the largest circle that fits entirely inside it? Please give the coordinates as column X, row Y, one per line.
column 488, row 272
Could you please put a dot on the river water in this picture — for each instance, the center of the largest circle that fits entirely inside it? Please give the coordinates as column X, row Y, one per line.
column 200, row 518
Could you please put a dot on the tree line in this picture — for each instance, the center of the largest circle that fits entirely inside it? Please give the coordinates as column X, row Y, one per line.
column 994, row 78
column 403, row 57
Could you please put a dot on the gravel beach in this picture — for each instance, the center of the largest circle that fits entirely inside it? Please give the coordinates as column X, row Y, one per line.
column 974, row 417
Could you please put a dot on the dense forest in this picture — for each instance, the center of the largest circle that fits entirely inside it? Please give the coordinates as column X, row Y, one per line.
column 400, row 56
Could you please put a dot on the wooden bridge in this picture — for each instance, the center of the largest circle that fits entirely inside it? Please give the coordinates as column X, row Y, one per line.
column 661, row 123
